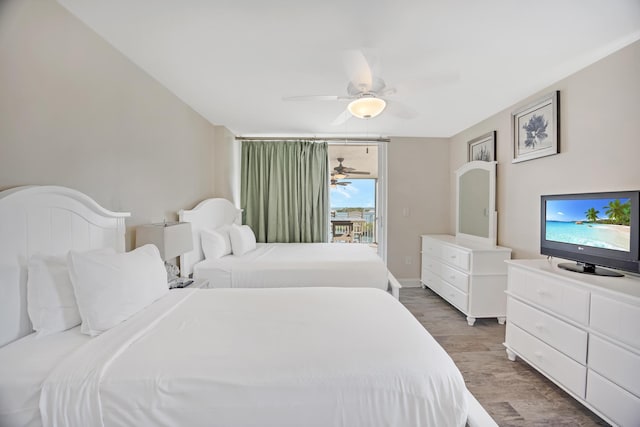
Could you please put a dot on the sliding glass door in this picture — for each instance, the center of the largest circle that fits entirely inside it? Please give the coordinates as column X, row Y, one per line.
column 357, row 196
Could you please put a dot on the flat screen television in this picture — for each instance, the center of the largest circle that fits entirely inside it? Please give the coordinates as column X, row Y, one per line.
column 594, row 229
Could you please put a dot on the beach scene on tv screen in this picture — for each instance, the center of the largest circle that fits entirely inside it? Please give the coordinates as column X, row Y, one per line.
column 599, row 223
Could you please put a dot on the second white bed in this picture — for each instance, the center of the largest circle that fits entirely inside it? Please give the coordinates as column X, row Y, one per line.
column 278, row 264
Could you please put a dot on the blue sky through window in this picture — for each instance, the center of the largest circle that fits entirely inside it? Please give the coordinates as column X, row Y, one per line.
column 361, row 193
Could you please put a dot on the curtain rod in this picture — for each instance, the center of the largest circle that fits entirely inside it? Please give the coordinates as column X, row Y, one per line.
column 331, row 139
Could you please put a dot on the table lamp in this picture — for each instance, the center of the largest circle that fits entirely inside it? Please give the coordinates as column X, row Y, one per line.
column 172, row 240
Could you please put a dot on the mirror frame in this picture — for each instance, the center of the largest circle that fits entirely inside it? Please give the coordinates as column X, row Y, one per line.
column 493, row 215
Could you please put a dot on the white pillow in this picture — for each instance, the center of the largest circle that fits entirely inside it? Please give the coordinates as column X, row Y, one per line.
column 242, row 239
column 110, row 288
column 51, row 303
column 215, row 243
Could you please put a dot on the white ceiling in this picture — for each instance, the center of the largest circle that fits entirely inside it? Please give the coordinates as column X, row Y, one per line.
column 234, row 60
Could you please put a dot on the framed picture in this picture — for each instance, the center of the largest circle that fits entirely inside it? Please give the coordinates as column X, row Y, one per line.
column 536, row 129
column 482, row 148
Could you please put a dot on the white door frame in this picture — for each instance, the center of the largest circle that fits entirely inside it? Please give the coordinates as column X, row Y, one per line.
column 381, row 201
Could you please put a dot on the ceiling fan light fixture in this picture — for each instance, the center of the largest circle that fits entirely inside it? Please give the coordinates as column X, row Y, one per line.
column 366, row 107
column 339, row 176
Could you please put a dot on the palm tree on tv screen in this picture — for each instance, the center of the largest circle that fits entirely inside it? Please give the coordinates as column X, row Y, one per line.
column 618, row 212
column 592, row 214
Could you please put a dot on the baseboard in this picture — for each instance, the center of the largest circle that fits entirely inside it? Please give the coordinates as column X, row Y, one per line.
column 410, row 283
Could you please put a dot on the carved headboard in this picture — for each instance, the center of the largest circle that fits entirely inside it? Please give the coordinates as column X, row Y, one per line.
column 208, row 214
column 49, row 220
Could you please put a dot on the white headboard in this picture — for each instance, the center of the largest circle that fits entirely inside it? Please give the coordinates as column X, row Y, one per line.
column 49, row 220
column 208, row 214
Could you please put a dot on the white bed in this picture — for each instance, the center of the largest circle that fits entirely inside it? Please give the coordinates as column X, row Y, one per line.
column 277, row 264
column 221, row 357
column 296, row 264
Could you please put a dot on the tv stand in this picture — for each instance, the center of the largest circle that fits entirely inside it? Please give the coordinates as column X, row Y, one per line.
column 581, row 332
column 586, row 268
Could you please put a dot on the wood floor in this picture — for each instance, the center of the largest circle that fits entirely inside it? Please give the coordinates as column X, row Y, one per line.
column 513, row 393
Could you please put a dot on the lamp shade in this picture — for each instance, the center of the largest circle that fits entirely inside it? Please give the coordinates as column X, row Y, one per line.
column 366, row 107
column 172, row 239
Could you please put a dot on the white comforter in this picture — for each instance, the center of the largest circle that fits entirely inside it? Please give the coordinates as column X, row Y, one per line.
column 297, row 265
column 255, row 357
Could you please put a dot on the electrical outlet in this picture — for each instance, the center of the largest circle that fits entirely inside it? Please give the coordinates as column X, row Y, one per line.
column 406, row 212
column 407, row 260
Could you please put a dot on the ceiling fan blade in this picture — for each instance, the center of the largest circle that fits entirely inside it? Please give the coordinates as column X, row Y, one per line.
column 358, row 69
column 433, row 80
column 312, row 98
column 342, row 118
column 358, row 173
column 387, row 91
column 400, row 110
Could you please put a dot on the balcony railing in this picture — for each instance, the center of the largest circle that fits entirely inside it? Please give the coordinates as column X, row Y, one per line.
column 353, row 225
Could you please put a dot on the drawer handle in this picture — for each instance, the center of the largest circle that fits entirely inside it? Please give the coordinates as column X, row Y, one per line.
column 538, row 354
column 452, row 277
column 542, row 292
column 453, row 257
column 451, row 295
column 539, row 326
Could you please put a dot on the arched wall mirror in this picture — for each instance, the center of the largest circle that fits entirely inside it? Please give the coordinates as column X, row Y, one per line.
column 476, row 216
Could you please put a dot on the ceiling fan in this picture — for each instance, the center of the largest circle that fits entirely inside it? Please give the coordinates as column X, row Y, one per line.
column 341, row 171
column 366, row 92
column 335, row 183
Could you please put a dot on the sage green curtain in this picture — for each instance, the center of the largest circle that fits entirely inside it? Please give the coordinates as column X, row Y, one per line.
column 284, row 190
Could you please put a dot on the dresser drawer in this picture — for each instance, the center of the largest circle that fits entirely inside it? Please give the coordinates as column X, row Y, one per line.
column 553, row 331
column 456, row 257
column 617, row 364
column 431, row 264
column 616, row 319
column 455, row 277
column 430, row 279
column 561, row 297
column 622, row 407
column 553, row 363
column 454, row 296
column 431, row 247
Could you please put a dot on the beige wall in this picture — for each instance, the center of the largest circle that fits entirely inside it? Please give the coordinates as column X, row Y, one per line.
column 226, row 165
column 75, row 112
column 600, row 147
column 418, row 200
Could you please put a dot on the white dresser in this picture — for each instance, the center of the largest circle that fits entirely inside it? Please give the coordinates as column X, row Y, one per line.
column 581, row 331
column 471, row 276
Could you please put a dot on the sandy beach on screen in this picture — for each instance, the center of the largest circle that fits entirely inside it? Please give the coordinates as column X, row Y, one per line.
column 617, row 235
